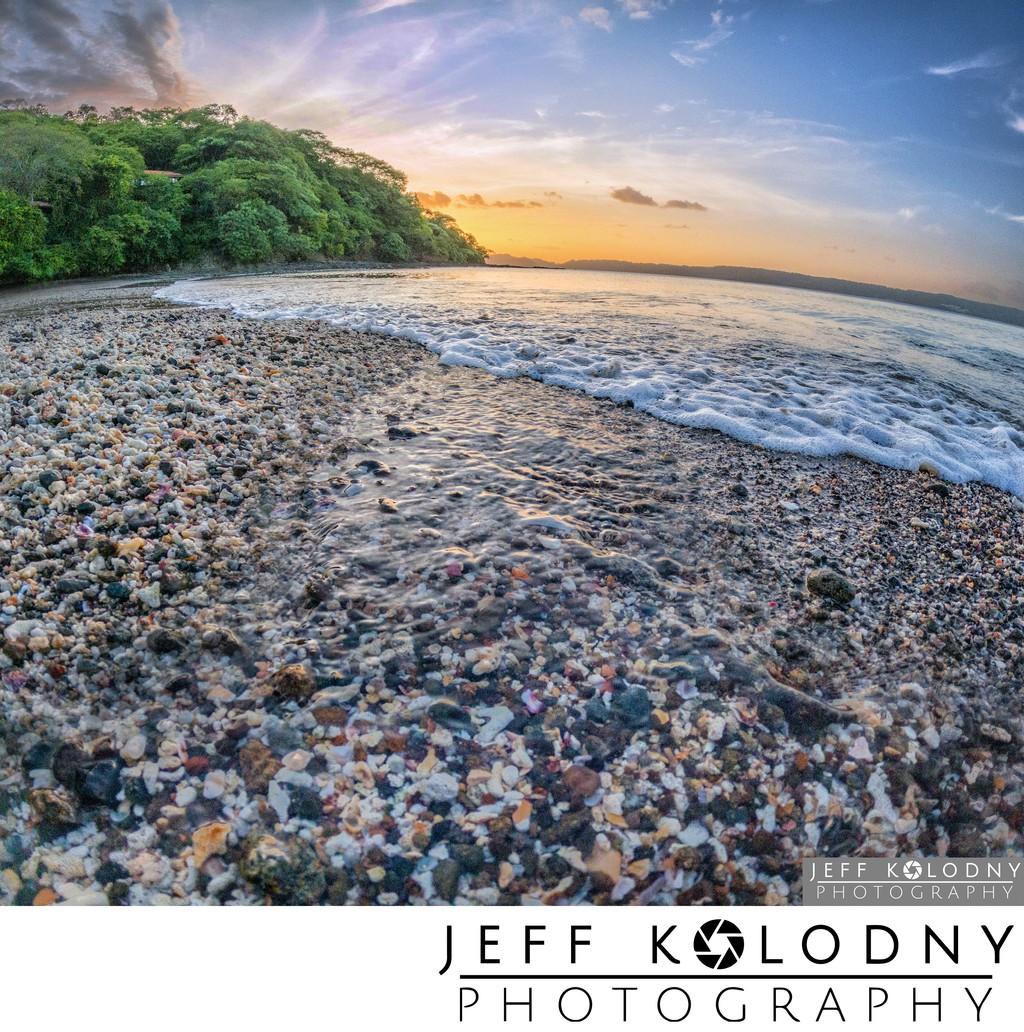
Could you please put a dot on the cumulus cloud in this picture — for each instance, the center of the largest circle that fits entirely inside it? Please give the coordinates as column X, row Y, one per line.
column 628, row 195
column 599, row 17
column 641, row 10
column 437, row 199
column 476, row 201
column 979, row 62
column 58, row 52
column 687, row 205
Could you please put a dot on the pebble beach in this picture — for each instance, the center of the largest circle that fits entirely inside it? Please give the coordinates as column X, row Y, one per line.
column 294, row 614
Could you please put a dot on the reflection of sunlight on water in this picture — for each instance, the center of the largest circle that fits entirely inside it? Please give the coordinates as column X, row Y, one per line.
column 793, row 370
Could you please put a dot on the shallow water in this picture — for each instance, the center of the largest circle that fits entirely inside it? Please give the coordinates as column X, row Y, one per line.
column 792, row 370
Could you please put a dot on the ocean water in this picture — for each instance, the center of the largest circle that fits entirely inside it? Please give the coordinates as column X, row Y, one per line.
column 793, row 370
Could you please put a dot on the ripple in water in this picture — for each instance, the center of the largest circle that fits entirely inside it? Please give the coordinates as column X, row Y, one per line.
column 792, row 370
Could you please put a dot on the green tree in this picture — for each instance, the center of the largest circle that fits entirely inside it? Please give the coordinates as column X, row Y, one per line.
column 252, row 232
column 22, row 231
column 100, row 252
column 250, row 192
column 37, row 153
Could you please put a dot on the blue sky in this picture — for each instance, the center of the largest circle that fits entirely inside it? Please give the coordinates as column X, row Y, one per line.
column 869, row 139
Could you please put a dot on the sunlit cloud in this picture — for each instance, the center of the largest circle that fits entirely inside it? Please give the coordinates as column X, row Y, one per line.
column 437, row 199
column 476, row 201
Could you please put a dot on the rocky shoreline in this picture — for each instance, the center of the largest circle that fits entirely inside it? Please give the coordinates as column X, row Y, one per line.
column 296, row 615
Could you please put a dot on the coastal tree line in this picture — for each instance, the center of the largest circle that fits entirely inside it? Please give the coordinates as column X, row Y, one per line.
column 85, row 194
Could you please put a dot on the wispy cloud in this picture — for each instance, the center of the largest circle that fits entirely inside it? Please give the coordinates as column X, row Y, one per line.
column 979, row 62
column 599, row 17
column 720, row 32
column 686, row 205
column 1003, row 214
column 376, row 6
column 690, row 51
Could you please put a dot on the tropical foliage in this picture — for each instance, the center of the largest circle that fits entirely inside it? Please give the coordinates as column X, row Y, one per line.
column 76, row 198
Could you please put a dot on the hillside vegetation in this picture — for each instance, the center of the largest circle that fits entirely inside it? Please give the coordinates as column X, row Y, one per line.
column 76, row 198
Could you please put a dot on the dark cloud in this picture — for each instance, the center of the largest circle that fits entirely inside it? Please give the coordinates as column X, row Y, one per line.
column 476, row 201
column 628, row 195
column 150, row 37
column 49, row 24
column 434, row 200
column 554, row 195
column 687, row 205
column 63, row 52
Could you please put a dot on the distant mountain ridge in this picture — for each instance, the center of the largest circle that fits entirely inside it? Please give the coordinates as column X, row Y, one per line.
column 775, row 278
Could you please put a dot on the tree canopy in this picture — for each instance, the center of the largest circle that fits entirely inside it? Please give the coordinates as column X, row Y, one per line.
column 79, row 197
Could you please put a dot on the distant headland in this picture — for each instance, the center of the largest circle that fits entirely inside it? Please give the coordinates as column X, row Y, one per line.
column 775, row 278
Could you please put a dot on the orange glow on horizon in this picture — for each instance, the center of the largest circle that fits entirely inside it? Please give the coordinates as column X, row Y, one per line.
column 564, row 230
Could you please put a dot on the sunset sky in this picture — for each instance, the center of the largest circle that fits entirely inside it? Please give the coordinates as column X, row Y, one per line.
column 869, row 139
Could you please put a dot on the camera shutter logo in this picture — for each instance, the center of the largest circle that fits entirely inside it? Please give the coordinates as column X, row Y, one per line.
column 718, row 944
column 912, row 870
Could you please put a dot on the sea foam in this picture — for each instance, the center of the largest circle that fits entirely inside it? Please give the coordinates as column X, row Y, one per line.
column 791, row 370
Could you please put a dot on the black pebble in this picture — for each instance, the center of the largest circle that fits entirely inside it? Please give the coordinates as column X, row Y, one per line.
column 110, row 871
